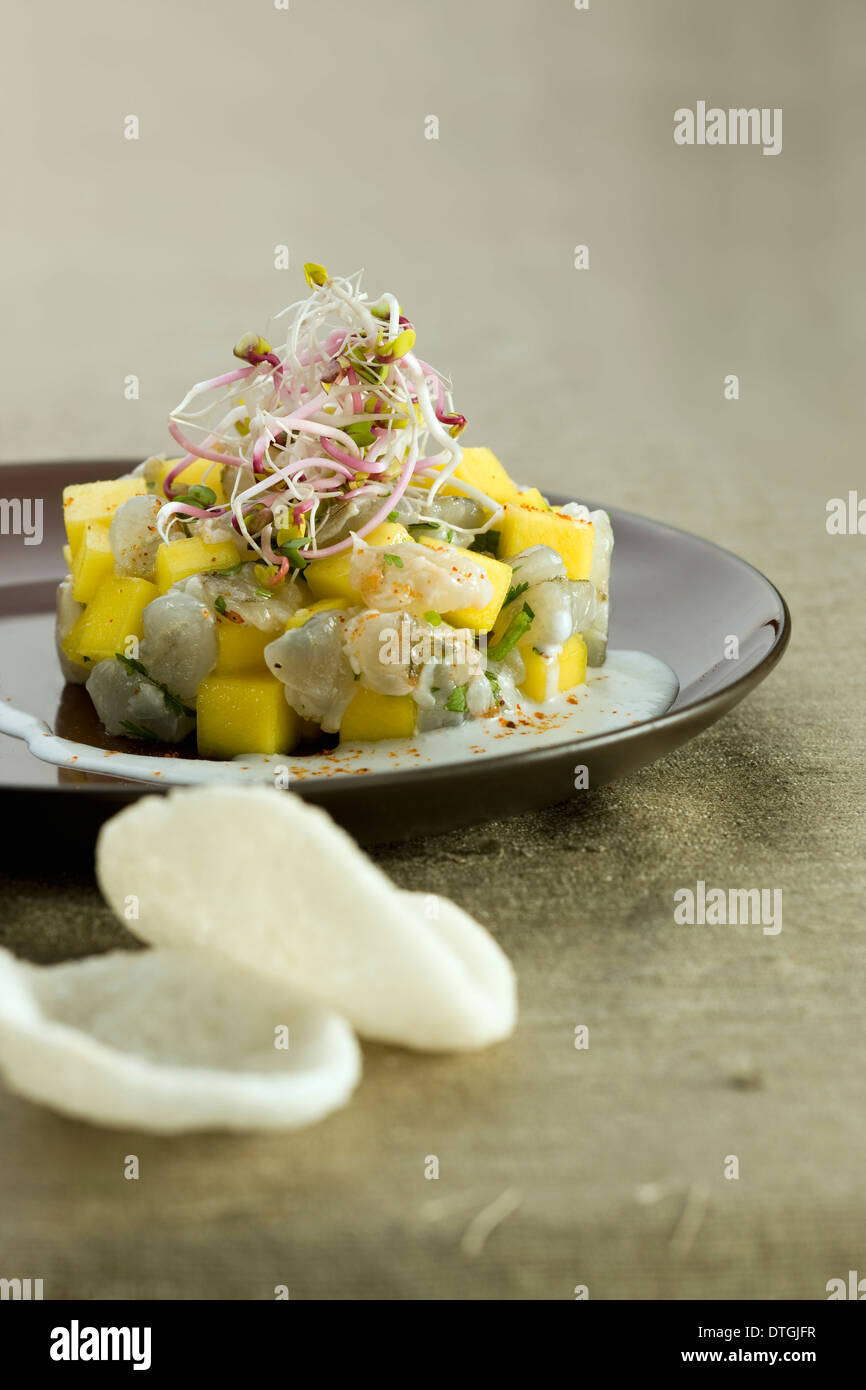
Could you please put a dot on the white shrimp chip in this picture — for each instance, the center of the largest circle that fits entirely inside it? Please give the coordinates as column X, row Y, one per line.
column 168, row 1042
column 258, row 878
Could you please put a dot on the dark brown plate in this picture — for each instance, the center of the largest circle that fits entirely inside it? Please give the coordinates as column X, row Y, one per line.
column 674, row 595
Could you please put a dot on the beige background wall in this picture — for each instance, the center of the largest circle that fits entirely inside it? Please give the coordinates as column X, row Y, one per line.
column 306, row 127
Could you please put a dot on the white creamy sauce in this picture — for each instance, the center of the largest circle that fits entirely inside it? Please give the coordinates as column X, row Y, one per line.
column 551, row 674
column 631, row 687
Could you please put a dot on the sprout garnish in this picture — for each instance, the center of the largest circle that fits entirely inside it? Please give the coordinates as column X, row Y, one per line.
column 340, row 410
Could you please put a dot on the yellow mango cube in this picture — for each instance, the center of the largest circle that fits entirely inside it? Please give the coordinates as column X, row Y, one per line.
column 241, row 648
column 329, row 577
column 370, row 715
column 546, row 676
column 177, row 560
column 479, row 619
column 92, row 563
column 531, row 497
column 84, row 502
column 480, row 468
column 244, row 714
column 323, row 605
column 193, row 473
column 112, row 615
column 522, row 527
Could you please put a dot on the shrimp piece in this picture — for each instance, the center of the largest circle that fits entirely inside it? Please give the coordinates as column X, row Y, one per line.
column 265, row 607
column 415, row 579
column 128, row 703
column 68, row 613
column 134, row 538
column 379, row 647
column 179, row 645
column 311, row 664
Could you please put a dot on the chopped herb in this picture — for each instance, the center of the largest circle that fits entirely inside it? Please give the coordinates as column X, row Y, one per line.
column 456, row 701
column 427, row 526
column 449, row 535
column 494, row 683
column 520, row 623
column 515, row 591
column 233, row 569
column 132, row 665
column 172, row 702
column 138, row 731
column 219, row 603
column 487, row 543
column 393, row 516
column 394, row 560
column 263, row 593
column 433, row 618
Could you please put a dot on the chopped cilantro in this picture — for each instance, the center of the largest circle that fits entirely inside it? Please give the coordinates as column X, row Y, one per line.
column 232, row 569
column 515, row 591
column 138, row 731
column 520, row 623
column 393, row 516
column 172, row 702
column 132, row 665
column 435, row 526
column 393, row 560
column 456, row 701
column 487, row 543
column 219, row 603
